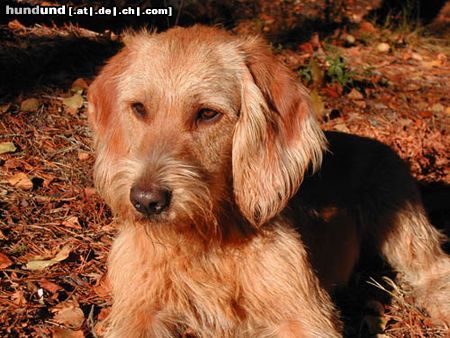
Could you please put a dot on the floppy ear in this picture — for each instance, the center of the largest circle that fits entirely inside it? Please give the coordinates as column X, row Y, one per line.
column 276, row 138
column 104, row 107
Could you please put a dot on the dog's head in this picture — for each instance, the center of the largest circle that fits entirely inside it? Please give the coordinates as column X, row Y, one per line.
column 194, row 120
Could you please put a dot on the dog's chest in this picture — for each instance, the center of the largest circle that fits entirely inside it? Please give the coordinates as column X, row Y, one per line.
column 217, row 291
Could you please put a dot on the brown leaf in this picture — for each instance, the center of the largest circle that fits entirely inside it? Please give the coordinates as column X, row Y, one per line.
column 74, row 103
column 72, row 222
column 367, row 27
column 103, row 287
column 317, row 104
column 21, row 181
column 426, row 114
column 83, row 156
column 15, row 25
column 79, row 84
column 13, row 163
column 7, row 147
column 66, row 333
column 18, row 298
column 4, row 261
column 333, row 90
column 90, row 191
column 69, row 314
column 30, row 105
column 4, row 107
column 383, row 47
column 49, row 286
column 317, row 73
column 355, row 95
column 42, row 264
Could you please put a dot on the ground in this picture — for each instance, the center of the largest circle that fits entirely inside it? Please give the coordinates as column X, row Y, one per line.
column 55, row 231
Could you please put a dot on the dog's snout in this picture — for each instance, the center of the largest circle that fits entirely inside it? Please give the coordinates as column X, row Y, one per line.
column 150, row 201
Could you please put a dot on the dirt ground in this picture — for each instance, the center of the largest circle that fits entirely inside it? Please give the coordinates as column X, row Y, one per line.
column 388, row 83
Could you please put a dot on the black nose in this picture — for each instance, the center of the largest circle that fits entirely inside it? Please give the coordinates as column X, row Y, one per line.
column 150, row 201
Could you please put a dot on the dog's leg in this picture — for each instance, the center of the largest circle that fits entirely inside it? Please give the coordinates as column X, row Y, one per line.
column 396, row 220
column 413, row 247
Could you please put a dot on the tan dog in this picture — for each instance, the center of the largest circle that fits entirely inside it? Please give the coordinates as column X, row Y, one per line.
column 203, row 140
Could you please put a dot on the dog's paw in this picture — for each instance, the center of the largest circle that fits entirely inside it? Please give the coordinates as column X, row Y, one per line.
column 434, row 296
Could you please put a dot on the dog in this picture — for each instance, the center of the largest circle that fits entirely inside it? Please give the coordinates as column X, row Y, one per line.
column 238, row 215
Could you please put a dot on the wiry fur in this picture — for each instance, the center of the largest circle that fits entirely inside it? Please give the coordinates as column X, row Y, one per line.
column 245, row 249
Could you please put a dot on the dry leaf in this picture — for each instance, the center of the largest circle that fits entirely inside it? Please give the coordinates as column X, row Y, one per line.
column 426, row 114
column 7, row 147
column 49, row 286
column 79, row 84
column 383, row 47
column 30, row 105
column 66, row 333
column 90, row 191
column 18, row 298
column 367, row 27
column 74, row 103
column 15, row 25
column 21, row 181
column 82, row 156
column 103, row 287
column 317, row 73
column 72, row 222
column 69, row 314
column 4, row 261
column 42, row 264
column 317, row 104
column 4, row 107
column 355, row 95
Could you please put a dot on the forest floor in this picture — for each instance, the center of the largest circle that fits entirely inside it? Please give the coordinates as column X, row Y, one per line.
column 55, row 230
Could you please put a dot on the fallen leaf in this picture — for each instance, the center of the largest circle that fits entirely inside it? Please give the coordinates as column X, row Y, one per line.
column 317, row 104
column 7, row 147
column 74, row 103
column 4, row 107
column 72, row 222
column 355, row 95
column 13, row 163
column 30, row 105
column 437, row 108
column 360, row 103
column 350, row 39
column 367, row 27
column 18, row 298
column 82, row 156
column 416, row 56
column 69, row 314
column 79, row 84
column 15, row 25
column 103, row 287
column 333, row 90
column 21, row 181
column 90, row 191
column 383, row 47
column 66, row 333
column 49, row 286
column 426, row 114
column 63, row 253
column 317, row 73
column 4, row 261
column 42, row 264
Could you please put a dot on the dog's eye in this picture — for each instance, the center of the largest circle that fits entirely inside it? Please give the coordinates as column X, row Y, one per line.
column 207, row 115
column 138, row 109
